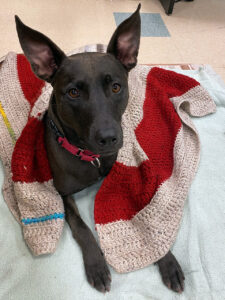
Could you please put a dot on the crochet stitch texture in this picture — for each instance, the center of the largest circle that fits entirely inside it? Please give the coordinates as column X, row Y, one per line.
column 137, row 218
column 139, row 205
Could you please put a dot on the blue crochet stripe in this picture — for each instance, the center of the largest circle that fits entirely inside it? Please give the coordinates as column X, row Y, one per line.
column 28, row 221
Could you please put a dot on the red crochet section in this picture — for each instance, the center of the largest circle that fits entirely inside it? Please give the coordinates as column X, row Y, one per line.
column 124, row 192
column 29, row 159
column 170, row 83
column 127, row 190
column 157, row 131
column 30, row 84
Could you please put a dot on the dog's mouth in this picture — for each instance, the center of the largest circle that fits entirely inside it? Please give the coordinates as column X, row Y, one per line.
column 96, row 150
column 100, row 152
column 108, row 153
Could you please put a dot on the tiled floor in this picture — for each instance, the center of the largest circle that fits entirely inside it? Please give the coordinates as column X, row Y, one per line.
column 152, row 24
column 195, row 30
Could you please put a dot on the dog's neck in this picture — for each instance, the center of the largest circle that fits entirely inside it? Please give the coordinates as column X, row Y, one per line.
column 66, row 131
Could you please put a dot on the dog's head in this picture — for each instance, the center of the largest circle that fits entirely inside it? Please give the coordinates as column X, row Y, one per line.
column 90, row 90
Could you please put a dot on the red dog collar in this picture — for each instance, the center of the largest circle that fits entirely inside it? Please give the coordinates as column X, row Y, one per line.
column 85, row 155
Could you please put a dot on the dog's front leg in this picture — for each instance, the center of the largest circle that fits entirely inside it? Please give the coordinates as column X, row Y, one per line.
column 171, row 272
column 97, row 272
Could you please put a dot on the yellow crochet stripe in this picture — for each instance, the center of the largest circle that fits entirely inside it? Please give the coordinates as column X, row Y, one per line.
column 7, row 124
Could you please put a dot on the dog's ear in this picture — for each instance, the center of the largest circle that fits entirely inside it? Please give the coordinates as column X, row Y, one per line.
column 44, row 56
column 124, row 44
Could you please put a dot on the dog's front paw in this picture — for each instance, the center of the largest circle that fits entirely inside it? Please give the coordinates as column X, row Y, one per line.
column 171, row 272
column 97, row 272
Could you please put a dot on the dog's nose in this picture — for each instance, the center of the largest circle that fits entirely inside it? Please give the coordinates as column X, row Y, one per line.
column 106, row 137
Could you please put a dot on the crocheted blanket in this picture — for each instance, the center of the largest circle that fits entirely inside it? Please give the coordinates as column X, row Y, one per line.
column 139, row 205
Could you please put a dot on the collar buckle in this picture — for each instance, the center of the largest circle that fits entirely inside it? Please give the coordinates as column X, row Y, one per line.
column 79, row 152
column 96, row 163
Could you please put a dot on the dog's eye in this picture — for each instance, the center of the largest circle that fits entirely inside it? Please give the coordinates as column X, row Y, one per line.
column 74, row 93
column 116, row 88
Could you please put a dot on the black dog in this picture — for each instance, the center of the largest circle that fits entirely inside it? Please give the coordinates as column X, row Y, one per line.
column 90, row 94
